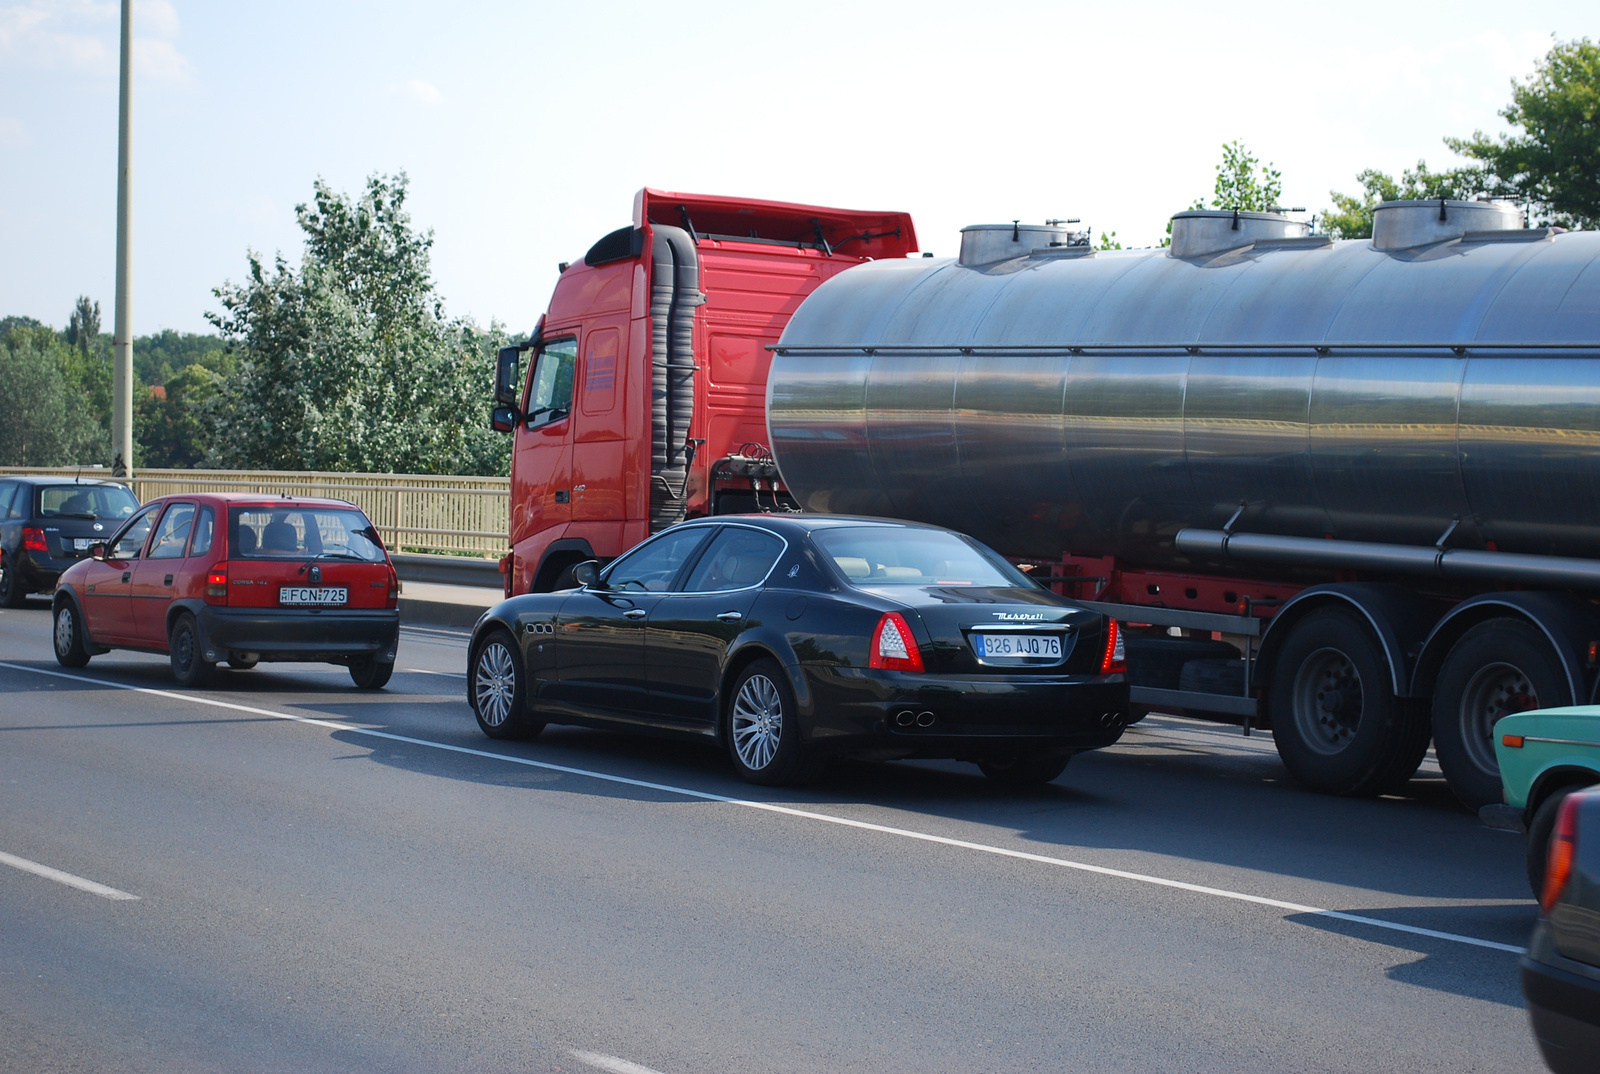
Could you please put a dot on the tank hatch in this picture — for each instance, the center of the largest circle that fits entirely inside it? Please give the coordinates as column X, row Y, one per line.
column 1202, row 232
column 1400, row 225
column 986, row 244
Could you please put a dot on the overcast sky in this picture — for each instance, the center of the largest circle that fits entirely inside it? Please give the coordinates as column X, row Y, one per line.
column 527, row 127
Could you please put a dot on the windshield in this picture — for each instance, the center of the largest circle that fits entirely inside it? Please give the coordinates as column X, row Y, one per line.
column 302, row 533
column 86, row 501
column 884, row 555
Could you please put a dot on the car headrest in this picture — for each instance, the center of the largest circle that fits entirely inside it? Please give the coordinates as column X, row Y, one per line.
column 248, row 542
column 279, row 536
column 854, row 567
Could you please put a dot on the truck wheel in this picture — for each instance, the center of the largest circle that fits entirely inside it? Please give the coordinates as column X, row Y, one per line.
column 1335, row 719
column 1497, row 668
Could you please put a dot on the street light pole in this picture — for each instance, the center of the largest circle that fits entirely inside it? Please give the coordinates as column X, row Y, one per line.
column 122, row 333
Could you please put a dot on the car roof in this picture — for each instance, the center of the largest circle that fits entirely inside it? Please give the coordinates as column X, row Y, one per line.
column 54, row 480
column 256, row 499
column 807, row 523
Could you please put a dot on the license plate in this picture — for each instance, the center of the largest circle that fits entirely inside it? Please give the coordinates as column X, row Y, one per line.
column 309, row 595
column 1036, row 645
column 83, row 544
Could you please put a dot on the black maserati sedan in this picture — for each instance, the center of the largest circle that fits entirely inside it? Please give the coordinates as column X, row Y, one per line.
column 792, row 638
column 1561, row 969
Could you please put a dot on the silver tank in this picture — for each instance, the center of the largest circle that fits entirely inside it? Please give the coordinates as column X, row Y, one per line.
column 1097, row 403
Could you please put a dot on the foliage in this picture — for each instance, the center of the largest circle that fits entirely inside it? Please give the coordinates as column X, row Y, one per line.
column 1244, row 183
column 1108, row 241
column 1351, row 216
column 83, row 327
column 1553, row 164
column 348, row 362
column 158, row 358
column 169, row 427
column 45, row 417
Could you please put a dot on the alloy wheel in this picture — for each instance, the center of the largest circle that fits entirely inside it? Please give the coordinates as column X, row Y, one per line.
column 65, row 627
column 495, row 684
column 757, row 722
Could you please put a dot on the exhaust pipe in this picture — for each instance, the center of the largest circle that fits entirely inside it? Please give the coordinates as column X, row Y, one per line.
column 905, row 719
column 924, row 719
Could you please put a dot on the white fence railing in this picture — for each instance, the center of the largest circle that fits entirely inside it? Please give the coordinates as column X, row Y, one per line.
column 422, row 512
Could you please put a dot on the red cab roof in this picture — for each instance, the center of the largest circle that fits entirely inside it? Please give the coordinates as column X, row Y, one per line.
column 854, row 232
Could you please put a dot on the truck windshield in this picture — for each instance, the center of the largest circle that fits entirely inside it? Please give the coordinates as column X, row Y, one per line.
column 302, row 533
column 884, row 555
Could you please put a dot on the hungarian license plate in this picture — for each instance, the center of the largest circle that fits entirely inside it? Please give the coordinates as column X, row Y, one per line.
column 1037, row 645
column 83, row 544
column 313, row 595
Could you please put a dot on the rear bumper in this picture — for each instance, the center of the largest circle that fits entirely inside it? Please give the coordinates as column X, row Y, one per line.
column 38, row 572
column 1564, row 1010
column 911, row 715
column 322, row 634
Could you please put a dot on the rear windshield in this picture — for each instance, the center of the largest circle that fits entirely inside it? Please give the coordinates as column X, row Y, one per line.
column 302, row 533
column 881, row 555
column 86, row 501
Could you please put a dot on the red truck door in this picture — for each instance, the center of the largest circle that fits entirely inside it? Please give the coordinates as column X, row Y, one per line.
column 597, row 447
column 542, row 492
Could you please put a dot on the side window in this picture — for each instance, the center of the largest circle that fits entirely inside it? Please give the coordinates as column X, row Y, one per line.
column 205, row 528
column 7, row 489
column 22, row 501
column 739, row 558
column 600, row 372
column 131, row 542
column 550, row 387
column 172, row 536
column 653, row 567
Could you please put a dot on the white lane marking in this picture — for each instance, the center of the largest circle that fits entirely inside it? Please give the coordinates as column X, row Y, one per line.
column 65, row 878
column 437, row 631
column 804, row 814
column 425, row 671
column 612, row 1063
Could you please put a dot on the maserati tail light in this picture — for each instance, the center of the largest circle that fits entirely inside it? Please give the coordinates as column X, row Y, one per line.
column 33, row 539
column 1115, row 658
column 1563, row 847
column 217, row 583
column 894, row 648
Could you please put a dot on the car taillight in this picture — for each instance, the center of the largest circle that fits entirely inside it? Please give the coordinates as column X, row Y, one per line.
column 1115, row 658
column 33, row 539
column 217, row 584
column 394, row 590
column 1563, row 846
column 893, row 646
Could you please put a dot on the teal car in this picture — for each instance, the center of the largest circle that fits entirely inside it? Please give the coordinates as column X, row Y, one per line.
column 1544, row 755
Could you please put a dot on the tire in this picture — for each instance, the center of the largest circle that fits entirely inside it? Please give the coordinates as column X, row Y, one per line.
column 1335, row 720
column 1497, row 668
column 242, row 665
column 1018, row 773
column 189, row 666
column 761, row 729
column 71, row 651
column 1539, row 832
column 11, row 592
column 497, row 686
column 369, row 673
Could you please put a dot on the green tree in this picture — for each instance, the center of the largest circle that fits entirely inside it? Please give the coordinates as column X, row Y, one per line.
column 1244, row 183
column 169, row 424
column 348, row 361
column 1351, row 215
column 45, row 417
column 83, row 327
column 1108, row 241
column 1552, row 164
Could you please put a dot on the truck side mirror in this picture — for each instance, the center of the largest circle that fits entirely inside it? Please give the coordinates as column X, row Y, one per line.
column 507, row 365
column 504, row 419
column 587, row 574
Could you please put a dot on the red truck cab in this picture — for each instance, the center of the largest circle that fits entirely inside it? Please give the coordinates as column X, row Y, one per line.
column 642, row 401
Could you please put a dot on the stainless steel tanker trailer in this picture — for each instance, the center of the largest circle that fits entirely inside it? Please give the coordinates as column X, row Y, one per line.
column 1371, row 469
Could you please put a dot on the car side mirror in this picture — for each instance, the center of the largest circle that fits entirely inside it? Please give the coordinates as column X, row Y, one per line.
column 507, row 365
column 504, row 419
column 587, row 574
column 97, row 550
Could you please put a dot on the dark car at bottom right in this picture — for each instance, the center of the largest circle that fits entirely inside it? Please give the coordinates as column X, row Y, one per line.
column 1561, row 968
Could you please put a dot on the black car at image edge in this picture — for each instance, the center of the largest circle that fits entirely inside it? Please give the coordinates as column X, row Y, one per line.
column 49, row 523
column 1561, row 968
column 789, row 639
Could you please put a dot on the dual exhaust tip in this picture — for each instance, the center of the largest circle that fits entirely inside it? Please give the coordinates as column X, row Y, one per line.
column 905, row 718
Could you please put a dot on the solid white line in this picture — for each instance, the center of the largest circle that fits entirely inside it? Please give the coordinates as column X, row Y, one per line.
column 804, row 814
column 612, row 1063
column 425, row 671
column 64, row 878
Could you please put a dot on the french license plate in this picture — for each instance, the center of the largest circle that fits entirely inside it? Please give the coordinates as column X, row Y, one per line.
column 1037, row 645
column 83, row 544
column 313, row 595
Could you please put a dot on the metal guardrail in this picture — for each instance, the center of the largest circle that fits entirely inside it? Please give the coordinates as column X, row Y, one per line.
column 415, row 512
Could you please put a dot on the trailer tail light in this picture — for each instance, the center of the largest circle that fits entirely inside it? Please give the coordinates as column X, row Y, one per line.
column 394, row 589
column 33, row 539
column 1115, row 659
column 217, row 583
column 893, row 646
column 1563, row 847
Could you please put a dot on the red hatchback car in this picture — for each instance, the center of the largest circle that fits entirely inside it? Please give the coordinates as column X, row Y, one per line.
column 236, row 577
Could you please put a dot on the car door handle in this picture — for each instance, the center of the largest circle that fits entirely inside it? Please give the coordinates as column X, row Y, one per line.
column 126, row 575
column 167, row 580
column 635, row 613
column 730, row 617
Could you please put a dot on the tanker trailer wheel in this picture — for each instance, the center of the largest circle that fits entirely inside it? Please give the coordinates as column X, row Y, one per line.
column 1497, row 668
column 1335, row 719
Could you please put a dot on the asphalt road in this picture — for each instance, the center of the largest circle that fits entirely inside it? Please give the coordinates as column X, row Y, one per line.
column 330, row 880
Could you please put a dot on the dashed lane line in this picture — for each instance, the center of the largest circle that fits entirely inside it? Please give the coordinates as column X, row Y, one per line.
column 65, row 878
column 804, row 814
column 611, row 1063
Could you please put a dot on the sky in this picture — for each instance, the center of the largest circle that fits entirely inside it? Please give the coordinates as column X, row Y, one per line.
column 526, row 128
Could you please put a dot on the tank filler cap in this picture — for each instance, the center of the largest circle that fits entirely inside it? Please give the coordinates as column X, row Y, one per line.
column 987, row 244
column 1203, row 232
column 1401, row 225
